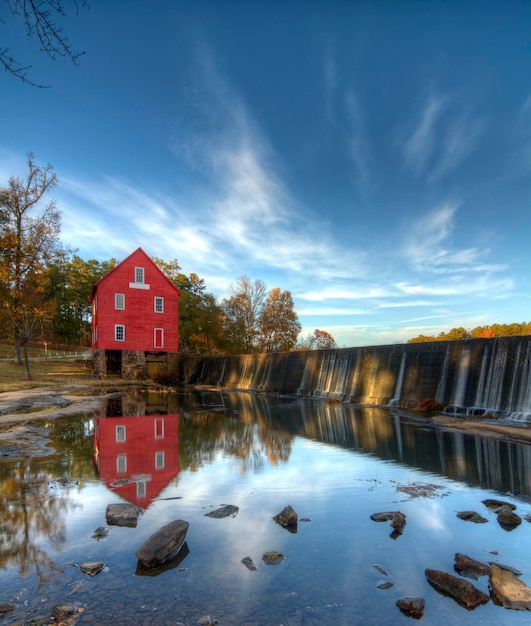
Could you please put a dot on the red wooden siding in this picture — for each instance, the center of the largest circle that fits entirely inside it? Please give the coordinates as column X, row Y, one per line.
column 137, row 457
column 147, row 326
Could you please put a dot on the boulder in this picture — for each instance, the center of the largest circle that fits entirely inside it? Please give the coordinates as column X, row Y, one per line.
column 507, row 590
column 163, row 545
column 465, row 566
column 272, row 558
column 463, row 592
column 507, row 519
column 122, row 514
column 412, row 607
column 286, row 517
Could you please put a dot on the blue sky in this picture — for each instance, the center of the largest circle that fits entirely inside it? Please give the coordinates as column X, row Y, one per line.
column 373, row 158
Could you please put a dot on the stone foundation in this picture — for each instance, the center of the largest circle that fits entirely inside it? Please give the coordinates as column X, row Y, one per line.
column 134, row 364
column 99, row 359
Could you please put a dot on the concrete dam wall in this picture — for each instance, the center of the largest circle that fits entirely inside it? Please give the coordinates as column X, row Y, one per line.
column 469, row 376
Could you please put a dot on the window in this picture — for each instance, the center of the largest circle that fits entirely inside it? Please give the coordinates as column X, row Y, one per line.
column 159, row 428
column 159, row 460
column 141, row 489
column 158, row 339
column 159, row 305
column 121, row 463
column 119, row 332
column 119, row 301
column 120, row 433
column 139, row 274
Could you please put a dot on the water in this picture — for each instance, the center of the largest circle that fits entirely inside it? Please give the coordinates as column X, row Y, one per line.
column 188, row 454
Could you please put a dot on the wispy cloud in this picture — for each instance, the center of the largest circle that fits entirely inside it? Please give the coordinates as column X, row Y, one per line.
column 419, row 148
column 358, row 147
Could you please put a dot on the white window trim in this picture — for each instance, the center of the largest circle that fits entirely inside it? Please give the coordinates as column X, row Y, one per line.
column 159, row 420
column 121, row 463
column 116, row 327
column 159, row 459
column 155, row 337
column 120, row 428
column 116, row 301
column 138, row 271
column 161, row 300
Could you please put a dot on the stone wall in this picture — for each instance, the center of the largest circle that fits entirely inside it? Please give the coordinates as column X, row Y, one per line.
column 134, row 364
column 99, row 359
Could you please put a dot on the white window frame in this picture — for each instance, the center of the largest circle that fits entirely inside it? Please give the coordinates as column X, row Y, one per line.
column 141, row 489
column 159, row 459
column 158, row 304
column 155, row 338
column 139, row 275
column 121, row 433
column 117, row 332
column 119, row 299
column 159, row 428
column 121, row 463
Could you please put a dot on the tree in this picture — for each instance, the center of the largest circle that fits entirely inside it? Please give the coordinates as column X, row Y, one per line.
column 277, row 323
column 321, row 340
column 242, row 311
column 29, row 241
column 40, row 20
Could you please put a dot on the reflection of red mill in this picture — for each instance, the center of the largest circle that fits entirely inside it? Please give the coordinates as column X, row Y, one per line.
column 469, row 376
column 137, row 456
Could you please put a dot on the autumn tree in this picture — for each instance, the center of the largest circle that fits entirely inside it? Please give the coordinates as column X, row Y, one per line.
column 278, row 324
column 241, row 313
column 29, row 242
column 41, row 19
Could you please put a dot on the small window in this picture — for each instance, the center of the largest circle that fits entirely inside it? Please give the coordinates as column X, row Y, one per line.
column 119, row 332
column 120, row 433
column 159, row 460
column 159, row 428
column 141, row 489
column 121, row 463
column 139, row 274
column 159, row 305
column 119, row 301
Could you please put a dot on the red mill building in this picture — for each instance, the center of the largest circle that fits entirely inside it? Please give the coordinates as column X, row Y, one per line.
column 135, row 312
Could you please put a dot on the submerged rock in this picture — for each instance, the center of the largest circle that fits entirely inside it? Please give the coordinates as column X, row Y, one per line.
column 227, row 510
column 472, row 516
column 412, row 607
column 272, row 558
column 122, row 514
column 6, row 607
column 507, row 590
column 100, row 533
column 398, row 521
column 463, row 592
column 248, row 562
column 170, row 564
column 163, row 545
column 470, row 568
column 286, row 517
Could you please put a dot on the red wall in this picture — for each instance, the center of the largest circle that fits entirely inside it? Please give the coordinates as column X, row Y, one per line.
column 139, row 317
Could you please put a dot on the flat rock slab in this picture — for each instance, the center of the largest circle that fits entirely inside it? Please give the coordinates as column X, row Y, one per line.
column 227, row 510
column 163, row 545
column 507, row 590
column 122, row 514
column 463, row 592
column 470, row 568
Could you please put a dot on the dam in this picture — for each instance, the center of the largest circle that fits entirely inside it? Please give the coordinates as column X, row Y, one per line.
column 474, row 377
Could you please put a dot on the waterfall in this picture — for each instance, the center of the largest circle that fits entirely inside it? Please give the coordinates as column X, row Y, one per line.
column 470, row 376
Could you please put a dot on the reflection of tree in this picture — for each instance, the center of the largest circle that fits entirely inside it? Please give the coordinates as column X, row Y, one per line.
column 28, row 517
column 73, row 433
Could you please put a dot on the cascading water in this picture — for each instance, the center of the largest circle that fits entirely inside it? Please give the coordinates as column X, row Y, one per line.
column 470, row 376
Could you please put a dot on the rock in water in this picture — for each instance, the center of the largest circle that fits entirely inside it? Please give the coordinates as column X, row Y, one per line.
column 494, row 505
column 286, row 517
column 248, row 562
column 472, row 516
column 507, row 590
column 465, row 566
column 91, row 567
column 164, row 544
column 463, row 592
column 227, row 510
column 398, row 521
column 272, row 558
column 507, row 519
column 122, row 514
column 413, row 607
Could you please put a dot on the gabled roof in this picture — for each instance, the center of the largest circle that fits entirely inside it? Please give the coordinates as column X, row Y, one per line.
column 138, row 251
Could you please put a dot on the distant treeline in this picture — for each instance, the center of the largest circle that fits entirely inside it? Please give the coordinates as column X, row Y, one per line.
column 495, row 330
